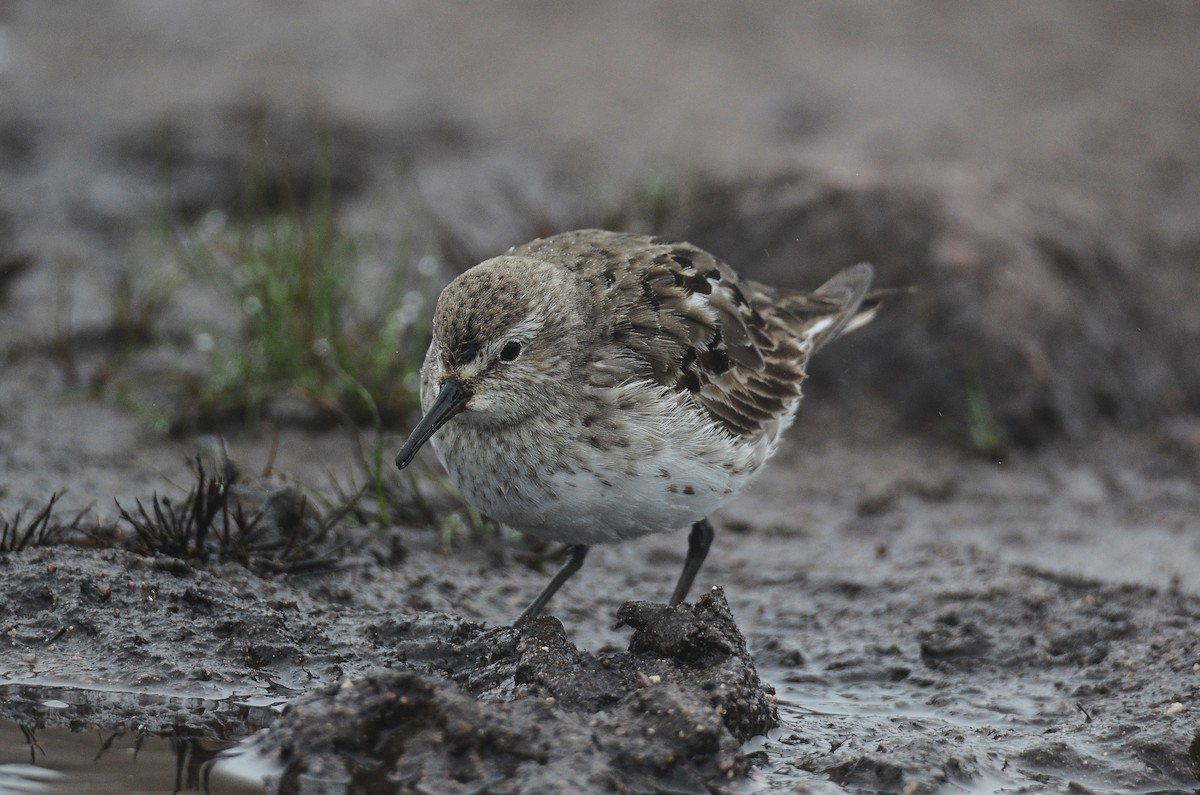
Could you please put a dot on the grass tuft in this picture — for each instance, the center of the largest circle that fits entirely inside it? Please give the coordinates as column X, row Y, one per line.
column 206, row 527
column 295, row 279
column 182, row 531
column 40, row 531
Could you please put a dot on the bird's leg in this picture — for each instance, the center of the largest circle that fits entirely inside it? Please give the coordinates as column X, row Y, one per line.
column 575, row 555
column 699, row 540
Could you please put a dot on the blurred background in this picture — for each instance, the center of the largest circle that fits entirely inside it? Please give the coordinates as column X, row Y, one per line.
column 1031, row 168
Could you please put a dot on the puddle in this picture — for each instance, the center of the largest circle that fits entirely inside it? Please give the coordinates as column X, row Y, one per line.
column 167, row 750
column 58, row 760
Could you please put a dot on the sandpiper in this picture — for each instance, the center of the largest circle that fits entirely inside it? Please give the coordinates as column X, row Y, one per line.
column 596, row 386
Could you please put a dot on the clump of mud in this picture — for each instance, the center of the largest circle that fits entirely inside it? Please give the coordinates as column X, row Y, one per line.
column 525, row 711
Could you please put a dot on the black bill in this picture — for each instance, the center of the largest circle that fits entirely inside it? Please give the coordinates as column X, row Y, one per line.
column 450, row 401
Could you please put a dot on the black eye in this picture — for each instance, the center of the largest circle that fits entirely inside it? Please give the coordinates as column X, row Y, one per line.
column 510, row 351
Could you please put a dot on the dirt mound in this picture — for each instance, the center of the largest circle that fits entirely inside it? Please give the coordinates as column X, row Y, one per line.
column 525, row 711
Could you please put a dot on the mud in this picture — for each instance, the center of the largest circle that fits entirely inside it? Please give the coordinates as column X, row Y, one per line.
column 525, row 711
column 116, row 640
column 974, row 565
column 902, row 650
column 1087, row 705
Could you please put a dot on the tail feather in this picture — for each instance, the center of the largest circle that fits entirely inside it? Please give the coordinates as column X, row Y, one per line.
column 870, row 305
column 867, row 311
column 849, row 286
column 840, row 304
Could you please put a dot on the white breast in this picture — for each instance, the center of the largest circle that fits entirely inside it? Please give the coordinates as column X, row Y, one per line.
column 669, row 466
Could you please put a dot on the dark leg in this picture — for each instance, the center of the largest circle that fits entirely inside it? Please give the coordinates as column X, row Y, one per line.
column 699, row 540
column 575, row 555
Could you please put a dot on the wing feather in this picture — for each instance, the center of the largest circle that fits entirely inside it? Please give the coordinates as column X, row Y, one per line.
column 687, row 322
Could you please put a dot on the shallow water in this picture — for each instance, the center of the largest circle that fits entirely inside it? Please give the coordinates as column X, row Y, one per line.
column 59, row 760
column 71, row 756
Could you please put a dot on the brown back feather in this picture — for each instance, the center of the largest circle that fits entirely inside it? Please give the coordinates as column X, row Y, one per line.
column 689, row 323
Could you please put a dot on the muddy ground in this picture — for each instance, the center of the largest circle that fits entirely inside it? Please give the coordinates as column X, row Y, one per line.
column 972, row 567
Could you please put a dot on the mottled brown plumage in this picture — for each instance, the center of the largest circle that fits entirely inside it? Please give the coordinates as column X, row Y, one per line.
column 692, row 324
column 594, row 386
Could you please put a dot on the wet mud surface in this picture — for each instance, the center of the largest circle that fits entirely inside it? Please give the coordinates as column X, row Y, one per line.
column 893, row 659
column 1090, row 699
column 525, row 711
column 974, row 565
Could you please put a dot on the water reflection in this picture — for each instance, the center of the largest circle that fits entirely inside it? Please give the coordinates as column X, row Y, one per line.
column 50, row 741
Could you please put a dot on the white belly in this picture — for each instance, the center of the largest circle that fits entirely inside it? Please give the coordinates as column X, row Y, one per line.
column 590, row 503
column 650, row 496
column 673, row 468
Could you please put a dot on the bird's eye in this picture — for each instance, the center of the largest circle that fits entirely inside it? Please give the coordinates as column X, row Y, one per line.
column 510, row 351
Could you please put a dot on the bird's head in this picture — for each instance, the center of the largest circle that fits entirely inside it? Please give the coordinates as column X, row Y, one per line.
column 505, row 337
